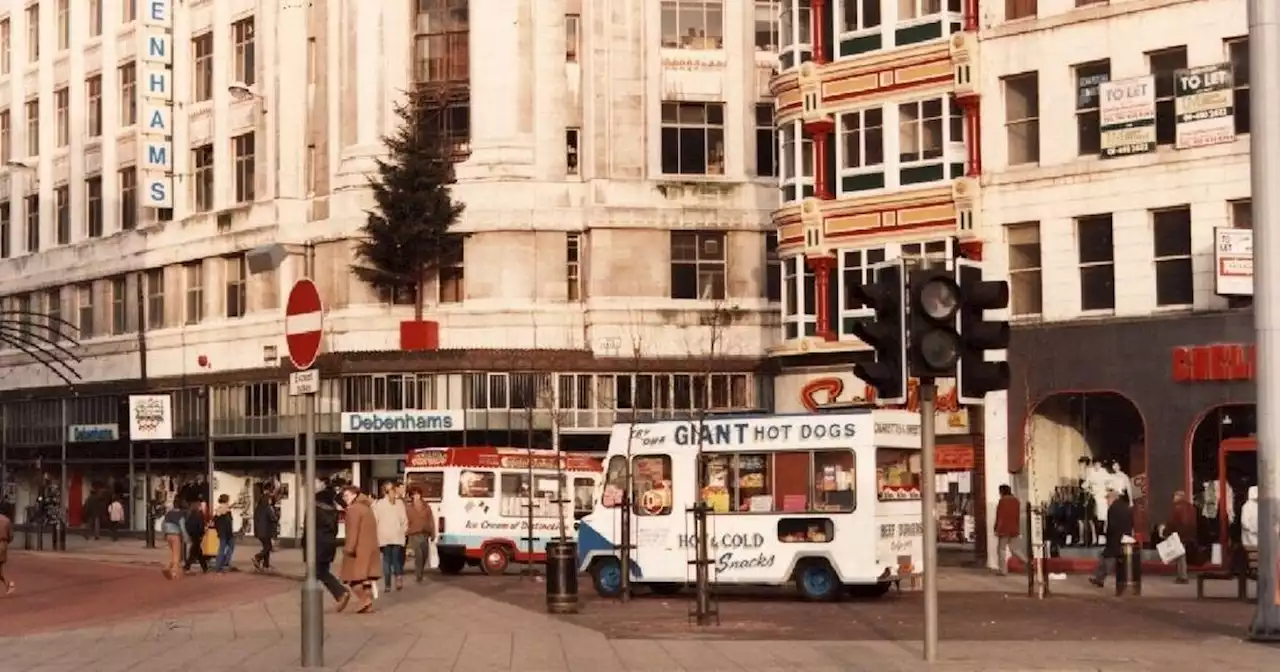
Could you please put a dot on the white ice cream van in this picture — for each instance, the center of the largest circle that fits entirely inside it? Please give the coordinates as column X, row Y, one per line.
column 797, row 499
column 482, row 498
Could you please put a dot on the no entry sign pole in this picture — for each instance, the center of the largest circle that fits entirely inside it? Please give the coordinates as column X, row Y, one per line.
column 303, row 331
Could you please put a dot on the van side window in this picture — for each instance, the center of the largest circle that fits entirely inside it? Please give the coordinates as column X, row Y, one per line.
column 475, row 484
column 833, row 480
column 651, row 478
column 898, row 474
column 516, row 494
column 739, row 483
column 615, row 483
column 431, row 483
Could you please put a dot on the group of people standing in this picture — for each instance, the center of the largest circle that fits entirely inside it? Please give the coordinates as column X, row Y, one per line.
column 374, row 546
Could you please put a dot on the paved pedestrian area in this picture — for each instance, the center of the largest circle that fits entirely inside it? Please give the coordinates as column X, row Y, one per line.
column 439, row 626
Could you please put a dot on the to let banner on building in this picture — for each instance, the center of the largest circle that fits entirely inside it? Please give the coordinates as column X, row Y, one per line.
column 1233, row 261
column 1127, row 116
column 1203, row 106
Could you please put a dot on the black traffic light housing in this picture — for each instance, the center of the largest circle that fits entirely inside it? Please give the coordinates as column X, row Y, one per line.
column 885, row 333
column 975, row 376
column 934, row 348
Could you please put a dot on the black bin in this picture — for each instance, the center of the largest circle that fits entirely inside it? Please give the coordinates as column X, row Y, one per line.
column 562, row 577
column 59, row 535
column 27, row 542
column 1122, row 572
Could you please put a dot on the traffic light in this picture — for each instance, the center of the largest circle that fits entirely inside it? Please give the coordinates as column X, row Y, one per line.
column 975, row 376
column 886, row 333
column 934, row 344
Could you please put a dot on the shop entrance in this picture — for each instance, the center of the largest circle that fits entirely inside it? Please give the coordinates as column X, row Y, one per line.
column 1079, row 446
column 1224, row 464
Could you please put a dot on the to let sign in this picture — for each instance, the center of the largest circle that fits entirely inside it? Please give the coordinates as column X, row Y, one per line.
column 1221, row 362
column 303, row 323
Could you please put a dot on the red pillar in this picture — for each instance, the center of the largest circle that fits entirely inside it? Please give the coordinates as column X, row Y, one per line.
column 970, row 14
column 971, row 249
column 817, row 19
column 972, row 107
column 820, row 132
column 822, row 267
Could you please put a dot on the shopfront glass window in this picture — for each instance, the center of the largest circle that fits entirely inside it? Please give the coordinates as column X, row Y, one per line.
column 431, row 483
column 898, row 474
column 475, row 484
column 651, row 480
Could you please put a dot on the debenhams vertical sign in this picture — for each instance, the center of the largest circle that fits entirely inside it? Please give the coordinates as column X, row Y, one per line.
column 155, row 162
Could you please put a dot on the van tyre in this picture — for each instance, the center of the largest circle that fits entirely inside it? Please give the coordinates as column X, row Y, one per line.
column 452, row 564
column 817, row 582
column 495, row 561
column 606, row 577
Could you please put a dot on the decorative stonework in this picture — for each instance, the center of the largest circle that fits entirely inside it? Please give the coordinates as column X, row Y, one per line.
column 886, row 216
column 861, row 81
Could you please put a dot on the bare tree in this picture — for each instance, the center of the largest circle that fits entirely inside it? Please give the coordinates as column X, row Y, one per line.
column 713, row 328
column 636, row 366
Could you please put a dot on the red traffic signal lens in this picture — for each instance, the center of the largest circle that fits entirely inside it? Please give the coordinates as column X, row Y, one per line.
column 939, row 299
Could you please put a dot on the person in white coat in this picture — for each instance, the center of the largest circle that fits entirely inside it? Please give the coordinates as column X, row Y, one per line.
column 393, row 530
column 1249, row 520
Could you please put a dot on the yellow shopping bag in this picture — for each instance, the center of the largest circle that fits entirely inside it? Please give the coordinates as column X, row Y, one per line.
column 209, row 544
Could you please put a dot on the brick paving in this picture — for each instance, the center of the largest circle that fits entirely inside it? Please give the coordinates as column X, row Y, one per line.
column 448, row 625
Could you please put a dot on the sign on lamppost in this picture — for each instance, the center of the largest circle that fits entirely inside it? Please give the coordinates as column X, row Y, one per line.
column 155, row 123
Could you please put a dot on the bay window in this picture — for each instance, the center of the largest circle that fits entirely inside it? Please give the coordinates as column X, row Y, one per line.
column 855, row 269
column 858, row 28
column 926, row 20
column 930, row 131
column 795, row 167
column 799, row 302
column 795, row 33
column 860, row 150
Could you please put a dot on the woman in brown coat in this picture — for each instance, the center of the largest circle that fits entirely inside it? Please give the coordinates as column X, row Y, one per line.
column 361, row 557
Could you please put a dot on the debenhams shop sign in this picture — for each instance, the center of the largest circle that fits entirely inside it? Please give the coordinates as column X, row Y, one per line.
column 383, row 422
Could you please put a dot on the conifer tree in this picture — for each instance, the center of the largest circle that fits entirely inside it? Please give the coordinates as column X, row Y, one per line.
column 408, row 235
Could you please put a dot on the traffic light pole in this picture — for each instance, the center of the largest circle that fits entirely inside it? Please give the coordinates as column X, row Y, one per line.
column 928, row 501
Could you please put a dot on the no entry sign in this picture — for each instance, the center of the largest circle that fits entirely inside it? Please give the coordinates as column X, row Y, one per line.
column 303, row 323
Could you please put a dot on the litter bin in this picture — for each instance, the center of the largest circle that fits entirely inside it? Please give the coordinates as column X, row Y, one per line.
column 562, row 577
column 59, row 535
column 27, row 542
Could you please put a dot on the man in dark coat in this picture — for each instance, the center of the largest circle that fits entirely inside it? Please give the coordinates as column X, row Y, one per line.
column 264, row 530
column 326, row 514
column 1119, row 526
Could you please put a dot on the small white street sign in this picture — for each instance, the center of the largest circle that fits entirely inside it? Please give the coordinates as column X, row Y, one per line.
column 304, row 382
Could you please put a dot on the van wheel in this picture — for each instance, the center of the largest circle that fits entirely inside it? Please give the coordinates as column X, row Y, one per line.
column 452, row 564
column 606, row 576
column 817, row 582
column 870, row 590
column 496, row 559
column 666, row 588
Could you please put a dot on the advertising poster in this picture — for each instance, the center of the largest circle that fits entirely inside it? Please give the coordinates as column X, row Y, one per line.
column 1127, row 116
column 1233, row 261
column 1204, row 106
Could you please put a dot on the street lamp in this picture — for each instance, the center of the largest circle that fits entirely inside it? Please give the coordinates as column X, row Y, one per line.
column 263, row 259
column 242, row 92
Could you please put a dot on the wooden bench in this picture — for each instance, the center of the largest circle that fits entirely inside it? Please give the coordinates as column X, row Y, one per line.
column 1244, row 569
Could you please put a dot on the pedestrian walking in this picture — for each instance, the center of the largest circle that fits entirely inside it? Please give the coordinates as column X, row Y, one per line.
column 196, row 526
column 224, row 527
column 94, row 512
column 1182, row 521
column 6, row 538
column 1007, row 528
column 264, row 530
column 115, row 517
column 1119, row 526
column 360, row 561
column 172, row 525
column 422, row 530
column 326, row 513
column 393, row 530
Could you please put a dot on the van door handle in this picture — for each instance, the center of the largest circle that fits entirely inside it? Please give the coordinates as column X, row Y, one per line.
column 576, row 525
